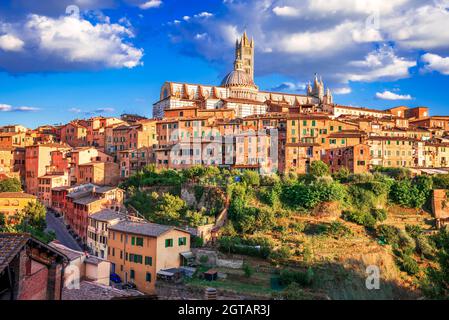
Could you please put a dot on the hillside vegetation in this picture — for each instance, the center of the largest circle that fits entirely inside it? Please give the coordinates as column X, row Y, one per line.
column 316, row 233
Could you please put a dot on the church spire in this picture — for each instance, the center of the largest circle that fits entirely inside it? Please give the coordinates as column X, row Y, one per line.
column 244, row 55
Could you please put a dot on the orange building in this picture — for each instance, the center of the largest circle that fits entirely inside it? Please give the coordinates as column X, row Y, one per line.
column 37, row 159
column 74, row 134
column 139, row 135
column 86, row 200
column 139, row 250
column 83, row 156
column 99, row 173
column 355, row 158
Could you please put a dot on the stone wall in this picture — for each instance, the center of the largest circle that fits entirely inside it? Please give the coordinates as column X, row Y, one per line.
column 215, row 261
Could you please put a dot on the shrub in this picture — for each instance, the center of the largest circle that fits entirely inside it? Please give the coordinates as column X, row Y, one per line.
column 411, row 193
column 304, row 279
column 316, row 229
column 319, row 169
column 342, row 175
column 198, row 242
column 389, row 234
column 256, row 247
column 298, row 226
column 361, row 198
column 413, row 230
column 252, row 178
column 406, row 243
column 281, row 254
column 338, row 230
column 407, row 263
column 441, row 181
column 307, row 196
column 379, row 214
column 359, row 217
column 424, row 248
column 248, row 270
column 204, row 259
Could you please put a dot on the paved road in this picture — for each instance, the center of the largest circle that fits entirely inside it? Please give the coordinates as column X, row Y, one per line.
column 61, row 231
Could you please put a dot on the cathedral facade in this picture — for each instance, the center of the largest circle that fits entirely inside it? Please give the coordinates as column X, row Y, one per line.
column 238, row 91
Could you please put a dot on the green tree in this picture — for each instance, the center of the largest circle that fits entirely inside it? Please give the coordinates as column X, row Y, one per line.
column 252, row 178
column 319, row 169
column 170, row 209
column 10, row 185
column 34, row 214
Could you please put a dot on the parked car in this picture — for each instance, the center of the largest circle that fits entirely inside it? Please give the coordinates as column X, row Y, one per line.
column 114, row 277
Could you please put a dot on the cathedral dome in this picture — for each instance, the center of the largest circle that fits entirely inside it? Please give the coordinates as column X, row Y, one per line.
column 237, row 78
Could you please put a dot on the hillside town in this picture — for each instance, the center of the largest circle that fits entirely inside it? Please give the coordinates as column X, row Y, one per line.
column 80, row 172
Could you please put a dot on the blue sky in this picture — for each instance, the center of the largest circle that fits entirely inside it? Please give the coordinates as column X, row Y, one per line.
column 114, row 56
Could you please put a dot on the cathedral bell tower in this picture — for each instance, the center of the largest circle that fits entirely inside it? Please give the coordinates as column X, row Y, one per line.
column 244, row 55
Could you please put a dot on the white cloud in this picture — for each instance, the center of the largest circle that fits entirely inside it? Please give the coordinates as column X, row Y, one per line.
column 75, row 110
column 337, row 38
column 9, row 108
column 355, row 6
column 342, row 91
column 434, row 62
column 5, row 107
column 388, row 95
column 286, row 11
column 419, row 28
column 68, row 43
column 150, row 4
column 11, row 43
column 204, row 14
column 382, row 64
column 74, row 38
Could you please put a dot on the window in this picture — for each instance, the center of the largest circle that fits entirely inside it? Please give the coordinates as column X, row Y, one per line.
column 304, row 123
column 313, row 123
column 133, row 241
column 182, row 241
column 148, row 277
column 139, row 242
column 148, row 261
column 132, row 274
column 168, row 243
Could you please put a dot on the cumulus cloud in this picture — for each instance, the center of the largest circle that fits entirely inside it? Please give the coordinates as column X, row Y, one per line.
column 11, row 43
column 344, row 40
column 286, row 11
column 388, row 95
column 9, row 108
column 150, row 4
column 382, row 64
column 68, row 43
column 434, row 62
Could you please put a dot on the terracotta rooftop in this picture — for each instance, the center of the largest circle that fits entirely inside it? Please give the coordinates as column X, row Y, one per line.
column 10, row 245
column 106, row 215
column 20, row 195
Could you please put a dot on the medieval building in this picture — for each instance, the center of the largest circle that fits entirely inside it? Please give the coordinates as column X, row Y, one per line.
column 238, row 91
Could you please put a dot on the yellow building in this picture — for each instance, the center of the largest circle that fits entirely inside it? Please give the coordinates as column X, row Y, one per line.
column 14, row 202
column 138, row 250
